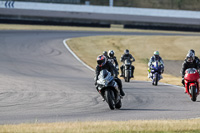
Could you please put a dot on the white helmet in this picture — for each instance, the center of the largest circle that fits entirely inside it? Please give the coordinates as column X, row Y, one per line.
column 111, row 53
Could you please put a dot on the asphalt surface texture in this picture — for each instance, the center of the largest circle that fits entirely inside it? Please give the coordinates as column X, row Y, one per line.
column 41, row 81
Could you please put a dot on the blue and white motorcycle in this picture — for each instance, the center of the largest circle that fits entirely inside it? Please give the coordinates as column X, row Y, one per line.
column 156, row 71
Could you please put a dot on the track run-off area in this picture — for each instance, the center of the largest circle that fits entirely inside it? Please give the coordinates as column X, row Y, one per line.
column 41, row 81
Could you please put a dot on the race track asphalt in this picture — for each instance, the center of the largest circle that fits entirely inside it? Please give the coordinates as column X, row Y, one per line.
column 40, row 81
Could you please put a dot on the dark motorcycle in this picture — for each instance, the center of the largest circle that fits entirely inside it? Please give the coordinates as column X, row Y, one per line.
column 127, row 70
column 108, row 88
column 156, row 70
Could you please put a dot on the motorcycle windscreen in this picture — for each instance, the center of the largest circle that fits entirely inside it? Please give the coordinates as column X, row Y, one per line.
column 104, row 77
column 191, row 74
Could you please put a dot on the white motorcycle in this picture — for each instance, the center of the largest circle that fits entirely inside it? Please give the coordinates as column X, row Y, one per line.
column 109, row 90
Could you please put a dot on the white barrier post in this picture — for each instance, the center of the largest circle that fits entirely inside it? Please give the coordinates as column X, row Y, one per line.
column 111, row 3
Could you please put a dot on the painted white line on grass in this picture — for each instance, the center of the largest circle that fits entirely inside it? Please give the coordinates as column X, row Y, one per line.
column 65, row 44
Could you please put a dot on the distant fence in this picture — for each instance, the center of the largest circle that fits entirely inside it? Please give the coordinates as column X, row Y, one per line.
column 100, row 14
column 101, row 9
column 156, row 4
column 50, row 1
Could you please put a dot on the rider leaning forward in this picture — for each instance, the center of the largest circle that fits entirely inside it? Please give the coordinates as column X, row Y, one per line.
column 191, row 61
column 155, row 57
column 102, row 63
column 125, row 56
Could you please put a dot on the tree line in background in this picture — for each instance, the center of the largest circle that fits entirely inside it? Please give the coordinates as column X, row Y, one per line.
column 160, row 4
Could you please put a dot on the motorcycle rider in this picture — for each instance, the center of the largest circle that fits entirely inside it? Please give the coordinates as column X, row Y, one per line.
column 113, row 59
column 123, row 58
column 155, row 57
column 105, row 53
column 195, row 57
column 189, row 62
column 102, row 63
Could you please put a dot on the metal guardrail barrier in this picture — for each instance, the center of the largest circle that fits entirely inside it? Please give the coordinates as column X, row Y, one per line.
column 129, row 17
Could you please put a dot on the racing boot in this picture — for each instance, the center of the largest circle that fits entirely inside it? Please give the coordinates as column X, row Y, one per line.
column 132, row 76
column 183, row 82
column 122, row 74
column 121, row 92
column 103, row 99
column 120, row 86
column 149, row 75
column 132, row 71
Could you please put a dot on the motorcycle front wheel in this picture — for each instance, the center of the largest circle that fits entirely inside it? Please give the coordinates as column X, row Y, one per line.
column 127, row 76
column 155, row 79
column 109, row 96
column 193, row 93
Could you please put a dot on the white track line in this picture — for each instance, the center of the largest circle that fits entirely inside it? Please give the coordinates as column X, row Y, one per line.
column 65, row 43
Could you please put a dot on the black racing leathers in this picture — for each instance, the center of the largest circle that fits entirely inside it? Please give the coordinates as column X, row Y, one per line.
column 109, row 66
column 113, row 60
column 186, row 65
column 125, row 56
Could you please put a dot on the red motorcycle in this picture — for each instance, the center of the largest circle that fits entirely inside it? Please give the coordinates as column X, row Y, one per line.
column 192, row 83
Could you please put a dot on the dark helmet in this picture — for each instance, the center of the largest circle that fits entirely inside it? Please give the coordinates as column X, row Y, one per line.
column 101, row 60
column 191, row 50
column 111, row 53
column 126, row 51
column 190, row 57
column 156, row 54
column 105, row 53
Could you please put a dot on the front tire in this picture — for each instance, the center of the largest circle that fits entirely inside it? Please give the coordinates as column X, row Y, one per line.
column 156, row 79
column 109, row 96
column 193, row 93
column 127, row 76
